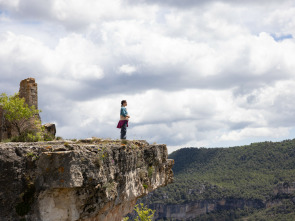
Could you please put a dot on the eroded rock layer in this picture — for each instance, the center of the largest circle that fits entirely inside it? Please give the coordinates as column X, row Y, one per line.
column 84, row 180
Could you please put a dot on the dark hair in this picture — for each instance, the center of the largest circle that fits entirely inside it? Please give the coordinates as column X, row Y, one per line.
column 123, row 101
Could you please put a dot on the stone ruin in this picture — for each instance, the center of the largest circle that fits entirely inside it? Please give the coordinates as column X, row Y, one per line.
column 29, row 91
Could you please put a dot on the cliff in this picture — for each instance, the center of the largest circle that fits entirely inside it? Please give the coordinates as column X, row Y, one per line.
column 83, row 180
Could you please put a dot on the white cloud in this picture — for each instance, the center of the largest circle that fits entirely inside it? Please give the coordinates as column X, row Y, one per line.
column 9, row 4
column 282, row 19
column 73, row 58
column 248, row 133
column 127, row 69
column 76, row 15
column 193, row 76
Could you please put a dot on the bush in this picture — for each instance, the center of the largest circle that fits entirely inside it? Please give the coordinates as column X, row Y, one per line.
column 27, row 137
column 144, row 213
column 48, row 137
column 16, row 111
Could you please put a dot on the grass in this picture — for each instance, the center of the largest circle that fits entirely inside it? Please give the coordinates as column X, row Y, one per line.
column 151, row 170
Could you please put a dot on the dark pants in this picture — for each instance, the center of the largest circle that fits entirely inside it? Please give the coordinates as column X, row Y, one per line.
column 124, row 131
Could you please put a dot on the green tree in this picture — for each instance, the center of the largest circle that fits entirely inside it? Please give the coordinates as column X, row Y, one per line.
column 143, row 213
column 16, row 111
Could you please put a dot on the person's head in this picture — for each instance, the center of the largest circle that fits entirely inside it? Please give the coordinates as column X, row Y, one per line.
column 124, row 103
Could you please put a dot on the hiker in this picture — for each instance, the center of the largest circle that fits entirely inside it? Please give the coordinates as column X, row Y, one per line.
column 124, row 117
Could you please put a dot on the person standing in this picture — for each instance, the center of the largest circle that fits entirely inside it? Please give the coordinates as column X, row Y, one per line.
column 124, row 117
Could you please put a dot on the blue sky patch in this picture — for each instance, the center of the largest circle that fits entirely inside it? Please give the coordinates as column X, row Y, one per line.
column 282, row 37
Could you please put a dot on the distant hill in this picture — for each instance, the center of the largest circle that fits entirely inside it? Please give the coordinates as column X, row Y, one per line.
column 254, row 182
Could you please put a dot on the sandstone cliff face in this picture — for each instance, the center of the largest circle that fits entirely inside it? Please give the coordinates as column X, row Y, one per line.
column 192, row 210
column 94, row 180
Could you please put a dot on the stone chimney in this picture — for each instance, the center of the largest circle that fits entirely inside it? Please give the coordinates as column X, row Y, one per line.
column 28, row 89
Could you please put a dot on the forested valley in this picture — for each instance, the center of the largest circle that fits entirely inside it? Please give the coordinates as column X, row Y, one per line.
column 253, row 182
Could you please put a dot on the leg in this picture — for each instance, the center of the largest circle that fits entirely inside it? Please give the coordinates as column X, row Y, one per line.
column 124, row 131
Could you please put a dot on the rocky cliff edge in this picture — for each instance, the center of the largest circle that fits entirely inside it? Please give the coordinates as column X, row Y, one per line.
column 89, row 179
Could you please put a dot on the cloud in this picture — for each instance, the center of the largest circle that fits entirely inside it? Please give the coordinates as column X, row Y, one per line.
column 75, row 15
column 194, row 3
column 194, row 73
column 127, row 69
column 9, row 4
column 248, row 133
column 74, row 57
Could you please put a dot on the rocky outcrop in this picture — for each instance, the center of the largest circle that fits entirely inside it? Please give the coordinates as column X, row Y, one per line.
column 83, row 180
column 285, row 188
column 50, row 129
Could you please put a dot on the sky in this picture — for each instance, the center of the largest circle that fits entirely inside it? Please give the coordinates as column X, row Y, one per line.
column 195, row 73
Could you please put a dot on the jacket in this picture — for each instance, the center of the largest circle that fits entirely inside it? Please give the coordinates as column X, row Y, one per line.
column 123, row 113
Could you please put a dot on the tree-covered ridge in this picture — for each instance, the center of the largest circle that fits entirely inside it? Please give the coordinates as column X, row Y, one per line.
column 284, row 211
column 251, row 172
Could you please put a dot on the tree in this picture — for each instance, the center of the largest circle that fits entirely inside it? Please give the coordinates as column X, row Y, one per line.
column 16, row 111
column 143, row 213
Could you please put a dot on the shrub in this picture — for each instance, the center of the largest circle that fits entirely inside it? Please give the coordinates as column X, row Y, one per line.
column 48, row 137
column 150, row 171
column 66, row 144
column 16, row 111
column 144, row 213
column 27, row 137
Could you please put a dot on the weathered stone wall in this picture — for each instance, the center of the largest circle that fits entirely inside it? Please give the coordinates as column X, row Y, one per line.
column 66, row 181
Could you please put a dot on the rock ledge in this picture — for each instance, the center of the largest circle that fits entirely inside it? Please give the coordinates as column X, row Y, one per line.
column 90, row 179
